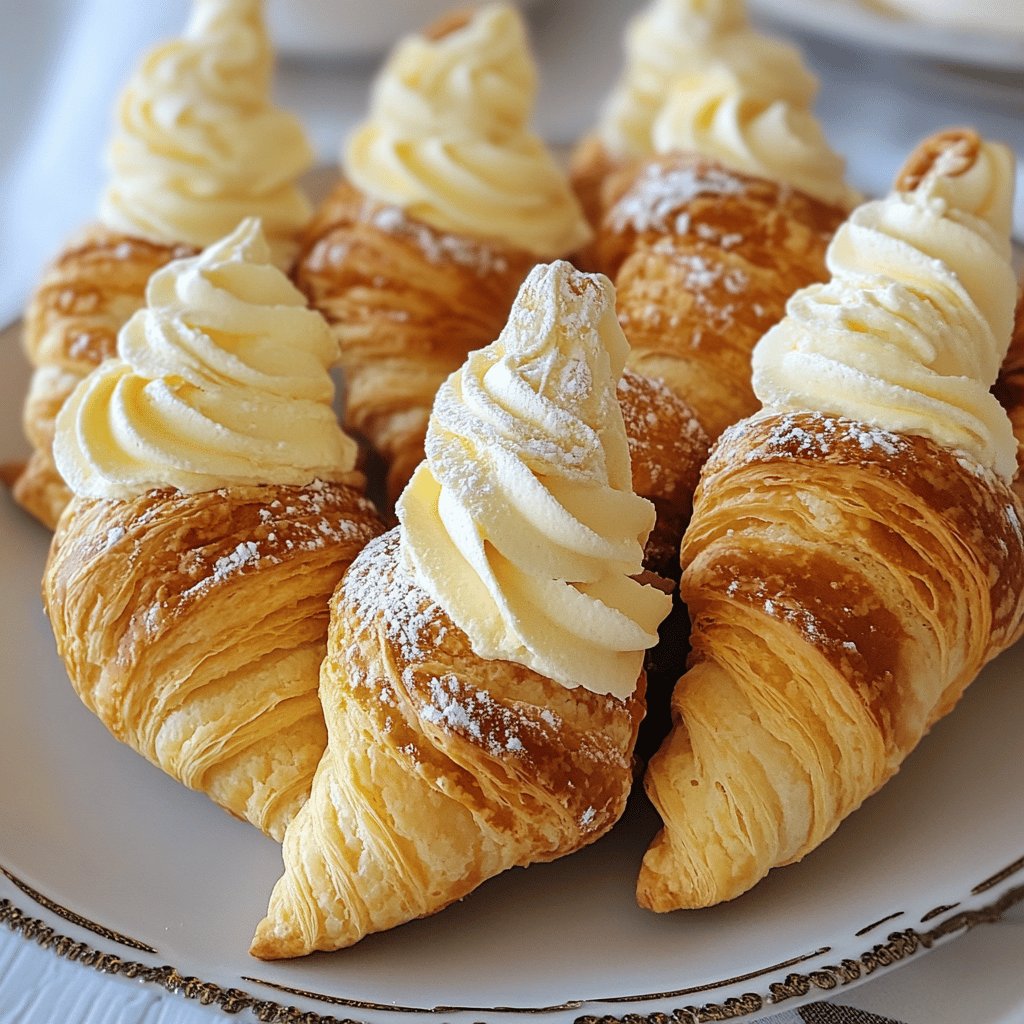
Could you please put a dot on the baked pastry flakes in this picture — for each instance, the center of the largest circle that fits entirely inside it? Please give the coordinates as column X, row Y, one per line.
column 855, row 554
column 483, row 684
column 215, row 508
column 447, row 202
column 714, row 194
column 197, row 147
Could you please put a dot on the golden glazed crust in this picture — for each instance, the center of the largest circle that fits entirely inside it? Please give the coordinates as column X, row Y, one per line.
column 704, row 260
column 407, row 303
column 442, row 769
column 193, row 626
column 667, row 448
column 845, row 585
column 84, row 298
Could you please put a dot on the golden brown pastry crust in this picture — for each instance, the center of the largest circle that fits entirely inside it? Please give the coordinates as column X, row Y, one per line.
column 442, row 769
column 845, row 585
column 194, row 627
column 704, row 260
column 407, row 303
column 667, row 448
column 84, row 298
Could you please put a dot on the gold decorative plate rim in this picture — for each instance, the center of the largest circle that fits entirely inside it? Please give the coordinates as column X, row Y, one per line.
column 898, row 947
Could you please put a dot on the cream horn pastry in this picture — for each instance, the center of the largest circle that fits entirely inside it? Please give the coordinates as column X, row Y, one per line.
column 856, row 552
column 718, row 196
column 483, row 683
column 197, row 146
column 687, row 54
column 215, row 508
column 447, row 200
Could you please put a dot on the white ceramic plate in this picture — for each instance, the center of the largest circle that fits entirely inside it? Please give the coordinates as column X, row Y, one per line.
column 136, row 875
column 859, row 23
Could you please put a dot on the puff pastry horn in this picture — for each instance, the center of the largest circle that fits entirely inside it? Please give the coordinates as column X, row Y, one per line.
column 442, row 769
column 488, row 721
column 700, row 79
column 448, row 201
column 193, row 626
column 704, row 260
column 215, row 510
column 198, row 146
column 847, row 572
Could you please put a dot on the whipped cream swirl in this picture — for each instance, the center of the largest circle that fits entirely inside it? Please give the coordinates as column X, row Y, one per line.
column 678, row 38
column 199, row 145
column 748, row 128
column 522, row 522
column 447, row 139
column 910, row 332
column 222, row 380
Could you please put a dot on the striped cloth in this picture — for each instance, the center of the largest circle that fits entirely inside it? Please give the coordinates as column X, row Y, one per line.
column 827, row 1013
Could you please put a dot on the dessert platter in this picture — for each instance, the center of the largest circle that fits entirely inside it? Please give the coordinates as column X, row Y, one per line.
column 429, row 654
column 958, row 33
column 111, row 863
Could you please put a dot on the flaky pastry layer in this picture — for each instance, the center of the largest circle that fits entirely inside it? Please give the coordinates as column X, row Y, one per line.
column 704, row 260
column 442, row 769
column 845, row 585
column 85, row 297
column 194, row 626
column 667, row 448
column 407, row 303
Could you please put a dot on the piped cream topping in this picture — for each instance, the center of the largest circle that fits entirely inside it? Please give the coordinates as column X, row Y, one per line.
column 671, row 39
column 910, row 332
column 199, row 145
column 222, row 380
column 522, row 522
column 749, row 129
column 700, row 79
column 447, row 139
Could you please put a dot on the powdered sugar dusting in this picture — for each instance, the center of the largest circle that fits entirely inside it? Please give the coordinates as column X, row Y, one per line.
column 711, row 285
column 798, row 616
column 1015, row 524
column 806, row 436
column 308, row 521
column 114, row 534
column 475, row 713
column 408, row 617
column 656, row 198
column 437, row 246
column 247, row 553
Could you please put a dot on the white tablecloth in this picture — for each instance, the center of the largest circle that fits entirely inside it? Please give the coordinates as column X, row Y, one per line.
column 62, row 63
